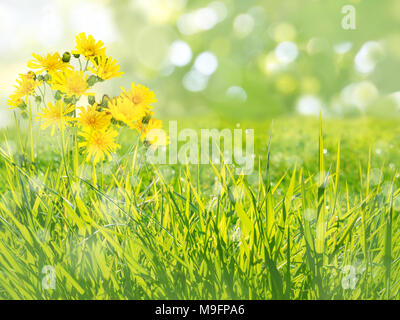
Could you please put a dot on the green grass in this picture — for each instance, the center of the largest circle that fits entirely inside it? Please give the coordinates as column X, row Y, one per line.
column 316, row 220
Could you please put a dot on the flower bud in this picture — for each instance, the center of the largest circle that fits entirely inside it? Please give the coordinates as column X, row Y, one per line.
column 24, row 115
column 22, row 105
column 91, row 100
column 57, row 96
column 66, row 56
column 92, row 80
column 118, row 123
column 38, row 99
column 31, row 75
column 68, row 100
column 76, row 55
column 47, row 77
column 146, row 118
column 104, row 101
column 40, row 78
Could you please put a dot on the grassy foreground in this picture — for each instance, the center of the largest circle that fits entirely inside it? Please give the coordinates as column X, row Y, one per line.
column 317, row 220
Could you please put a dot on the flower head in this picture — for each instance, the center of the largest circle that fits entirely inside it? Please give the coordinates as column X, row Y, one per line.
column 26, row 85
column 99, row 144
column 15, row 101
column 88, row 47
column 105, row 68
column 140, row 96
column 91, row 119
column 56, row 115
column 122, row 109
column 50, row 63
column 71, row 82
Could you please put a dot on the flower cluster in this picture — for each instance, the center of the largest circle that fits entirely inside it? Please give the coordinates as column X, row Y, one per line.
column 98, row 122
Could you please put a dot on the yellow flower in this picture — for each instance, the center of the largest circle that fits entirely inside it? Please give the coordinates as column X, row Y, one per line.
column 70, row 82
column 140, row 96
column 106, row 68
column 15, row 101
column 99, row 144
column 122, row 109
column 51, row 63
column 31, row 75
column 26, row 85
column 56, row 115
column 91, row 119
column 88, row 47
column 152, row 132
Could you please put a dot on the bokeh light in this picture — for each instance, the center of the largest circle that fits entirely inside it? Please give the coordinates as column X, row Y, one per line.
column 286, row 52
column 180, row 53
column 206, row 63
column 243, row 25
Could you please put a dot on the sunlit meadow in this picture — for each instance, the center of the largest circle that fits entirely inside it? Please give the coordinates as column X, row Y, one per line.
column 88, row 89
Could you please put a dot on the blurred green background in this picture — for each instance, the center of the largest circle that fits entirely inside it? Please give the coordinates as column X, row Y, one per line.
column 225, row 59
